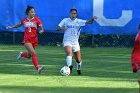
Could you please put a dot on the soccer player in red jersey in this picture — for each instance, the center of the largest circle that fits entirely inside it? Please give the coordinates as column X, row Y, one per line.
column 30, row 40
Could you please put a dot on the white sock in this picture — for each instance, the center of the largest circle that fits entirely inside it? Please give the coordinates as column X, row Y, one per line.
column 69, row 60
column 78, row 65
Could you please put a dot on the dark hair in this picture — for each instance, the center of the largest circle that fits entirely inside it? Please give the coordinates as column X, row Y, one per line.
column 73, row 10
column 28, row 9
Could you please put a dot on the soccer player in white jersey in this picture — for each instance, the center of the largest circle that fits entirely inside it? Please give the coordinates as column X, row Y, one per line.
column 72, row 27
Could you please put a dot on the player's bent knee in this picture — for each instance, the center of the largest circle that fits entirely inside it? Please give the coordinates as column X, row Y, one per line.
column 32, row 53
column 70, row 54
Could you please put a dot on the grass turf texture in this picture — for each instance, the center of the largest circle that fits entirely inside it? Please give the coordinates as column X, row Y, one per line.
column 104, row 70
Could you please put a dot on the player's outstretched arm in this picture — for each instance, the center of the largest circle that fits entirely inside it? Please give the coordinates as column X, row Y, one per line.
column 91, row 20
column 16, row 26
column 61, row 28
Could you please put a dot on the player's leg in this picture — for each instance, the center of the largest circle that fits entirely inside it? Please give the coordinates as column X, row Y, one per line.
column 32, row 52
column 23, row 55
column 79, row 61
column 68, row 51
column 77, row 54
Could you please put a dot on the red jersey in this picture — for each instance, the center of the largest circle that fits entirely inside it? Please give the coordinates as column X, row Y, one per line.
column 135, row 56
column 31, row 27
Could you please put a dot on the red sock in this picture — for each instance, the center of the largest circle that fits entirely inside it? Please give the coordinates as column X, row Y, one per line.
column 24, row 54
column 35, row 61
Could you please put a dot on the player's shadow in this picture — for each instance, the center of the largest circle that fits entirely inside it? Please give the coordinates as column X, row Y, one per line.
column 109, row 74
column 64, row 89
column 28, row 69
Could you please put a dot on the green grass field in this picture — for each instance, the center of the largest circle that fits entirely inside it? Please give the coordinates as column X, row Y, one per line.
column 104, row 70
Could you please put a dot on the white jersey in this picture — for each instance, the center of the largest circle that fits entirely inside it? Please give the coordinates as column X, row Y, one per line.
column 73, row 29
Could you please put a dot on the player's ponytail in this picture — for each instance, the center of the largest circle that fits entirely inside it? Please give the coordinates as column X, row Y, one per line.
column 28, row 9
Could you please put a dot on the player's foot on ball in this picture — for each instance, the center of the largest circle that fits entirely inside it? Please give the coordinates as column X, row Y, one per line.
column 40, row 69
column 79, row 72
column 19, row 56
column 71, row 67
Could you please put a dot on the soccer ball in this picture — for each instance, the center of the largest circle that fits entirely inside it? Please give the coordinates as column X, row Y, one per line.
column 65, row 71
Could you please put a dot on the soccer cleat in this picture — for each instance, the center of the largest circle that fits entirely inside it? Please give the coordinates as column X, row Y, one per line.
column 79, row 72
column 40, row 69
column 71, row 67
column 19, row 56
